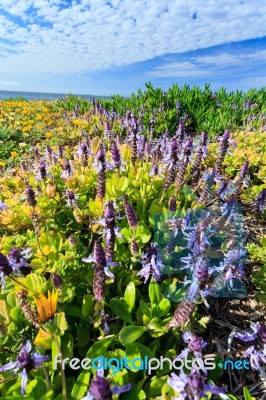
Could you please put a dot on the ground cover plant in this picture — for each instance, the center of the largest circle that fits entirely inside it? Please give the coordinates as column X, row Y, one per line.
column 123, row 236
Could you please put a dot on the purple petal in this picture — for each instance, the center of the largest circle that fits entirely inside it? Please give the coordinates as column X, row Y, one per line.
column 108, row 273
column 213, row 389
column 24, row 380
column 88, row 259
column 187, row 336
column 8, row 367
column 246, row 337
column 121, row 389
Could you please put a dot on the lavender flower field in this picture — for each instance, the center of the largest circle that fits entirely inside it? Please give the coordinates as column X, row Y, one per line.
column 133, row 247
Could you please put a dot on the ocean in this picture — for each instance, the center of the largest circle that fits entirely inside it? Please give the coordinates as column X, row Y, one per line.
column 4, row 94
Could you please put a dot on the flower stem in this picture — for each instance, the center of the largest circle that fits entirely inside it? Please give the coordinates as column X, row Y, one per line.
column 63, row 377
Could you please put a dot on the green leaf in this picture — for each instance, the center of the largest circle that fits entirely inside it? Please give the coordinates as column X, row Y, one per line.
column 141, row 350
column 81, row 386
column 135, row 394
column 3, row 310
column 156, row 325
column 67, row 345
column 11, row 298
column 130, row 296
column 87, row 304
column 99, row 348
column 155, row 293
column 35, row 284
column 131, row 333
column 157, row 384
column 143, row 234
column 120, row 309
column 61, row 322
column 164, row 307
column 48, row 396
column 145, row 308
column 247, row 395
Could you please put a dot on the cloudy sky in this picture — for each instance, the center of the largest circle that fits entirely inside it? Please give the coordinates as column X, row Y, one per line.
column 114, row 46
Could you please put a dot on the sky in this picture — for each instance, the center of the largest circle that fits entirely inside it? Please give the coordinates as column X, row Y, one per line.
column 107, row 47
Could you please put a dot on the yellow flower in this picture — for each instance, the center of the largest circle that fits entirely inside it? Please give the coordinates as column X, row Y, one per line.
column 2, row 163
column 22, row 144
column 46, row 307
column 14, row 154
column 48, row 135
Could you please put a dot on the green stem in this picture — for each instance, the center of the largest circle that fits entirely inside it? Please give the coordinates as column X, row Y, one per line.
column 63, row 377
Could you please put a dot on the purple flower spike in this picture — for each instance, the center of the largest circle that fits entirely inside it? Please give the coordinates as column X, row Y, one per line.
column 192, row 386
column 100, row 154
column 131, row 215
column 262, row 333
column 260, row 202
column 152, row 264
column 99, row 254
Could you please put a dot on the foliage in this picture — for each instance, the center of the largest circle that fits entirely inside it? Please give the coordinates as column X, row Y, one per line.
column 110, row 239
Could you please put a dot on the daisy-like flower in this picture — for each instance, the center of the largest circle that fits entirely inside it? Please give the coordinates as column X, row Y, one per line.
column 46, row 306
column 152, row 265
column 24, row 363
column 192, row 386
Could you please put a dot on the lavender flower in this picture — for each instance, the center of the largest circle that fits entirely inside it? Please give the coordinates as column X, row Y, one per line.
column 198, row 237
column 101, row 269
column 111, row 230
column 224, row 144
column 151, row 263
column 192, row 386
column 208, row 179
column 195, row 343
column 232, row 267
column 71, row 199
column 101, row 178
column 67, row 170
column 100, row 389
column 256, row 352
column 200, row 155
column 17, row 259
column 172, row 204
column 260, row 202
column 182, row 314
column 187, row 148
column 116, row 156
column 134, row 248
column 130, row 213
column 30, row 196
column 24, row 362
column 3, row 206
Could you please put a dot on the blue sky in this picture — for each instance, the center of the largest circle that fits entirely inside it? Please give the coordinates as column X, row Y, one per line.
column 105, row 47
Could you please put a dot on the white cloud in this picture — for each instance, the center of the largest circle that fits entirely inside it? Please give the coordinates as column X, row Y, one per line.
column 183, row 69
column 89, row 36
column 201, row 66
column 9, row 83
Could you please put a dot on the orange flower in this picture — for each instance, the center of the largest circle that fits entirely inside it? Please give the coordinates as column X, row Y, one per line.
column 46, row 307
